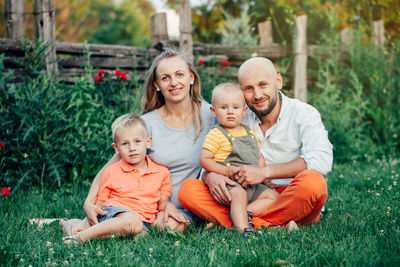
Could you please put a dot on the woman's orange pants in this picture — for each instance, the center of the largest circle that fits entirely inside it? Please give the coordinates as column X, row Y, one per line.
column 300, row 201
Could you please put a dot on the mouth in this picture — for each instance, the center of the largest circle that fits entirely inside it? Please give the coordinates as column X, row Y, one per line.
column 259, row 102
column 231, row 118
column 175, row 91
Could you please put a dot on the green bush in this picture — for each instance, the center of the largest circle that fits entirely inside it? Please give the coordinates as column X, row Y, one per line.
column 58, row 134
column 358, row 99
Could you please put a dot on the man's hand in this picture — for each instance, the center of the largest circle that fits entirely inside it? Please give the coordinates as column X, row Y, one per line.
column 172, row 211
column 91, row 212
column 249, row 175
column 217, row 185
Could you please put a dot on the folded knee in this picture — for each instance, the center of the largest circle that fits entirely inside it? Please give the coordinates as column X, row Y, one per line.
column 238, row 192
column 133, row 224
column 188, row 189
column 311, row 183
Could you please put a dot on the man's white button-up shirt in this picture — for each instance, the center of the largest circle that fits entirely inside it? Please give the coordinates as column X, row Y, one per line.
column 299, row 132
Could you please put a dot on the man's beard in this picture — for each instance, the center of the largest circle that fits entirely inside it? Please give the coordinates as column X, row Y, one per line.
column 265, row 112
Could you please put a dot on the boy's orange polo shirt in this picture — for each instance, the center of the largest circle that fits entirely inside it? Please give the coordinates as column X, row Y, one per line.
column 124, row 186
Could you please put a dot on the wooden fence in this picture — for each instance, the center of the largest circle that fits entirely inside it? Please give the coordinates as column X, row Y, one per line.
column 67, row 60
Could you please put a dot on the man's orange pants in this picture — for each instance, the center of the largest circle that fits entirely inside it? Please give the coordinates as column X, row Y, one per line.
column 300, row 201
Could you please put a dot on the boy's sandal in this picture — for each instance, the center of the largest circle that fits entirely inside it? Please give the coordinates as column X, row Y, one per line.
column 71, row 240
column 247, row 232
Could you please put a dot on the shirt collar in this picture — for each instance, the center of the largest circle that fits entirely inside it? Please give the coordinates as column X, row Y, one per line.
column 151, row 166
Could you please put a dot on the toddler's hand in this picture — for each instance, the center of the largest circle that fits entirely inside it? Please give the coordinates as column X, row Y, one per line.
column 232, row 171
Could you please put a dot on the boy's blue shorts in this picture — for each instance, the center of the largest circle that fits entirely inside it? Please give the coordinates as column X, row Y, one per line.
column 112, row 211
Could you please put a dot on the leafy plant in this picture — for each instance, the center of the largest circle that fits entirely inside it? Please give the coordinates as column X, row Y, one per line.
column 56, row 133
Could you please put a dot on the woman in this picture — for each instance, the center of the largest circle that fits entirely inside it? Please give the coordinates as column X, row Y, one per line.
column 178, row 120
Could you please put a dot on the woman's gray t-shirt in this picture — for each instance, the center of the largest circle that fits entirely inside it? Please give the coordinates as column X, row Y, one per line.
column 176, row 149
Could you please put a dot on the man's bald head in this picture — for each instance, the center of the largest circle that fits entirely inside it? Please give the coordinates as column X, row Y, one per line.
column 256, row 63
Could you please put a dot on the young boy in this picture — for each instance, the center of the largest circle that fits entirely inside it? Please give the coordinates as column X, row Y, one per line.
column 231, row 144
column 132, row 191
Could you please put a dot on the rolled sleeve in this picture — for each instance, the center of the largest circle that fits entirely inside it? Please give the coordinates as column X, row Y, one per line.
column 316, row 148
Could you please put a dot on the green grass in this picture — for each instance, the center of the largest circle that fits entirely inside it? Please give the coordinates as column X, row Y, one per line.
column 360, row 228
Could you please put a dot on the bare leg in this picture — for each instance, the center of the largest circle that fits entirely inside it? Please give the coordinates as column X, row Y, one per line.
column 72, row 226
column 239, row 207
column 121, row 225
column 261, row 204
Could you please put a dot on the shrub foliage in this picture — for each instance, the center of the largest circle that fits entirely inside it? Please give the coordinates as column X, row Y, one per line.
column 56, row 133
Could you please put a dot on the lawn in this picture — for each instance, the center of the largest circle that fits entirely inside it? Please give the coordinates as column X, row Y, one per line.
column 360, row 228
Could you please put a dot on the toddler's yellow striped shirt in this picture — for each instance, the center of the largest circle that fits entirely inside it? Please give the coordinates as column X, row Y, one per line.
column 217, row 143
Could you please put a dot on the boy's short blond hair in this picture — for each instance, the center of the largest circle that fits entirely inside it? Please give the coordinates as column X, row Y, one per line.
column 221, row 88
column 126, row 121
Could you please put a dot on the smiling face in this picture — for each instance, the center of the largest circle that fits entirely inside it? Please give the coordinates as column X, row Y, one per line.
column 260, row 84
column 131, row 144
column 173, row 79
column 228, row 106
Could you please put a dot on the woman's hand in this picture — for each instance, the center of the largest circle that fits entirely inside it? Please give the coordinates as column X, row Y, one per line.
column 172, row 211
column 217, row 186
column 249, row 175
column 92, row 211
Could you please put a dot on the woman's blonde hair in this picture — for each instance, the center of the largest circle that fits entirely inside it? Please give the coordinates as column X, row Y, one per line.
column 153, row 99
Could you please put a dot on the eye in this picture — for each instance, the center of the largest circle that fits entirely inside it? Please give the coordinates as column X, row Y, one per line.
column 248, row 88
column 164, row 78
column 236, row 107
column 124, row 144
column 138, row 141
column 263, row 84
column 223, row 107
column 180, row 75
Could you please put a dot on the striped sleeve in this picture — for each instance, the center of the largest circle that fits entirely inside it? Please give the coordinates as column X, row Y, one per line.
column 212, row 140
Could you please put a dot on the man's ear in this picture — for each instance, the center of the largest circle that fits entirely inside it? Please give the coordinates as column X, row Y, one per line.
column 279, row 81
column 213, row 111
column 148, row 142
column 115, row 148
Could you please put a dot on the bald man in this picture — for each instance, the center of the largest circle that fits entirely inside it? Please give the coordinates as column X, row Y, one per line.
column 296, row 149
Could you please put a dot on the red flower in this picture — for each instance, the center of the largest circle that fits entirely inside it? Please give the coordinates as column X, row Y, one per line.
column 1, row 145
column 201, row 62
column 97, row 78
column 101, row 73
column 225, row 63
column 5, row 192
column 121, row 74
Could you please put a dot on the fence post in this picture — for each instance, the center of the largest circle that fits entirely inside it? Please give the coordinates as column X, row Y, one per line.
column 185, row 28
column 379, row 33
column 159, row 30
column 346, row 36
column 45, row 30
column 265, row 31
column 15, row 19
column 300, row 58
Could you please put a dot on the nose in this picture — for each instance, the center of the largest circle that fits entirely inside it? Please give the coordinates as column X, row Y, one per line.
column 173, row 81
column 132, row 147
column 257, row 93
column 230, row 110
